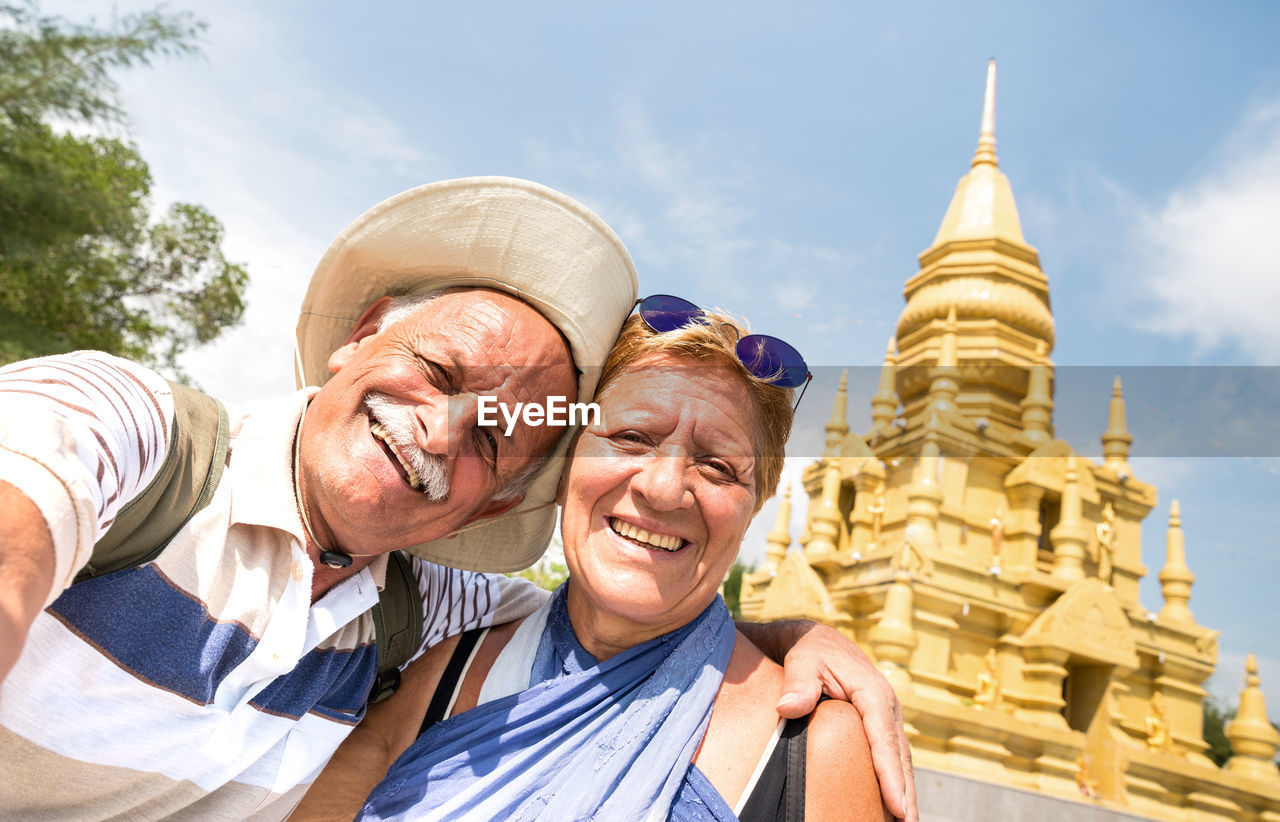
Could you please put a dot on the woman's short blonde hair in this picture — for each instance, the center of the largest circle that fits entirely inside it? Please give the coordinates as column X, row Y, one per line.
column 713, row 341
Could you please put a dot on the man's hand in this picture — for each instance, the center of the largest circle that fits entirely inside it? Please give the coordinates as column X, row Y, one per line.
column 26, row 571
column 819, row 659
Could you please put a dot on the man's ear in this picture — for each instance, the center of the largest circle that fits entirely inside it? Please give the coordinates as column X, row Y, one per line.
column 366, row 327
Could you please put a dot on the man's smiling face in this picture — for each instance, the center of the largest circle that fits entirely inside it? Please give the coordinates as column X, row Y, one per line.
column 392, row 455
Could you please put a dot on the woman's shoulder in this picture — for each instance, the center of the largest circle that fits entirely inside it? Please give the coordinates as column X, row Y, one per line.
column 751, row 687
column 835, row 722
column 748, row 664
column 840, row 782
column 743, row 720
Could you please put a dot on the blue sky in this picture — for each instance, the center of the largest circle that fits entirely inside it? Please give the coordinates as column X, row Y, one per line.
column 788, row 164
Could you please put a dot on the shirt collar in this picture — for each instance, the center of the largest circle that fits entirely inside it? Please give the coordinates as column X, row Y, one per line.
column 261, row 465
column 262, row 482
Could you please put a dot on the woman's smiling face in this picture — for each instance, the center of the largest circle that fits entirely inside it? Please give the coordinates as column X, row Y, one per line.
column 657, row 499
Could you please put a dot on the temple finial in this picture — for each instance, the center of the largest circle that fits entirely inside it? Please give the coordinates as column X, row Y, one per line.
column 1069, row 536
column 779, row 538
column 1116, row 439
column 824, row 518
column 945, row 376
column 1037, row 406
column 1176, row 578
column 986, row 152
column 885, row 401
column 837, row 427
column 1253, row 741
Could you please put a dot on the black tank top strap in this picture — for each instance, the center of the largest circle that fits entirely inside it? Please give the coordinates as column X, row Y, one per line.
column 779, row 793
column 450, row 678
column 794, row 793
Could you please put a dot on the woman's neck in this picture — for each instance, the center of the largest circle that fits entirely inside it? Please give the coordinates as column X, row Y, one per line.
column 604, row 634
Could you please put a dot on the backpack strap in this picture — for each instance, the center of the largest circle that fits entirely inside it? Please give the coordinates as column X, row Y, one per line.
column 199, row 438
column 397, row 621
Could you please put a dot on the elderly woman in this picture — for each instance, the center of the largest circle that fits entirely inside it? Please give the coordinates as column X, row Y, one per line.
column 629, row 695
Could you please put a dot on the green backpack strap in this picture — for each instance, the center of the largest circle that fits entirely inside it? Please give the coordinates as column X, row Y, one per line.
column 397, row 622
column 198, row 443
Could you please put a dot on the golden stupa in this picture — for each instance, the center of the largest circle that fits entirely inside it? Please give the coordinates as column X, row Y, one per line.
column 991, row 572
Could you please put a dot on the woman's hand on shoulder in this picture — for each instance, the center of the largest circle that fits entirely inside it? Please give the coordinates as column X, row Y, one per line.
column 840, row 782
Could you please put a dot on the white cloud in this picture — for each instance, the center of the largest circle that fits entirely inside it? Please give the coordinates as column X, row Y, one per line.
column 795, row 296
column 682, row 206
column 1210, row 258
column 1163, row 472
column 700, row 214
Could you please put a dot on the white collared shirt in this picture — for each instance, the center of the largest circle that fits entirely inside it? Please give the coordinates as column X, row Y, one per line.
column 204, row 684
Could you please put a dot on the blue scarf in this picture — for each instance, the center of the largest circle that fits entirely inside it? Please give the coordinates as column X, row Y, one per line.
column 609, row 740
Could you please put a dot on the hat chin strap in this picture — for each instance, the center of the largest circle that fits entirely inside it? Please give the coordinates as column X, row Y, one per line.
column 333, row 559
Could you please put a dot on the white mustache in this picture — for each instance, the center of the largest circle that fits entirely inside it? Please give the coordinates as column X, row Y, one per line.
column 396, row 417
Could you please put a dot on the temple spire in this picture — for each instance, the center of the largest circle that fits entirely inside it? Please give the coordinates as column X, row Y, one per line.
column 979, row 264
column 893, row 638
column 924, row 498
column 1069, row 537
column 1037, row 406
column 1253, row 741
column 779, row 538
column 986, row 152
column 1116, row 439
column 945, row 376
column 983, row 208
column 837, row 426
column 824, row 519
column 885, row 401
column 1176, row 578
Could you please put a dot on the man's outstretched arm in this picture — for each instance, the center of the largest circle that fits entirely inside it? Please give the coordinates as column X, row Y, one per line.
column 26, row 571
column 80, row 435
column 818, row 659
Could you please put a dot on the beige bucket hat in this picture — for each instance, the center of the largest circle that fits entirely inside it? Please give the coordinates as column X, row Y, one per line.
column 494, row 232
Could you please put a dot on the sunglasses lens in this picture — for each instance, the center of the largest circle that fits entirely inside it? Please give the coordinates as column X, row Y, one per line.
column 772, row 360
column 664, row 313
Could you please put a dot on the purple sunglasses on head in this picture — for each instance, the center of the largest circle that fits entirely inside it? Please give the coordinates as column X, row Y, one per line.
column 766, row 358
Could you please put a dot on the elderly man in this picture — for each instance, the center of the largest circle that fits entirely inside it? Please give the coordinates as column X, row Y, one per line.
column 216, row 680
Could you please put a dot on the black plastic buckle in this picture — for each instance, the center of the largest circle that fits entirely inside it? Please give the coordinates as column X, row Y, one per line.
column 384, row 685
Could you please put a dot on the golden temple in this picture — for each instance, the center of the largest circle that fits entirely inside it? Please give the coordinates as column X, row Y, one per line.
column 991, row 571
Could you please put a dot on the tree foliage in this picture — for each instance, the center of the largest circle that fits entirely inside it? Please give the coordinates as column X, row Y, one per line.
column 82, row 265
column 1217, row 713
column 1216, row 716
column 733, row 587
column 550, row 570
column 545, row 574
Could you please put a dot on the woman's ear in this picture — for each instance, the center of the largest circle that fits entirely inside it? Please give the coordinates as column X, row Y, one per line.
column 366, row 327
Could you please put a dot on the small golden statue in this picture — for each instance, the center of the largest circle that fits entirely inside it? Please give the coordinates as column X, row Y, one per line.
column 987, row 694
column 876, row 509
column 1084, row 783
column 1157, row 725
column 1106, row 533
column 997, row 539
